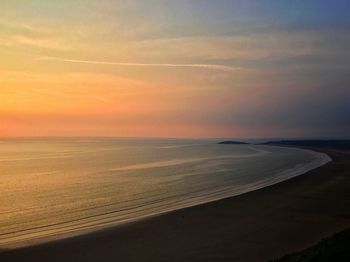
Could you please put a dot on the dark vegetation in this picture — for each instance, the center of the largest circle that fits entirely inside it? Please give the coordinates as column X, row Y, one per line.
column 333, row 249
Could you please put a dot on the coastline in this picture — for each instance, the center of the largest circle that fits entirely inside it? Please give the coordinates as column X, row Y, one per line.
column 49, row 235
column 292, row 215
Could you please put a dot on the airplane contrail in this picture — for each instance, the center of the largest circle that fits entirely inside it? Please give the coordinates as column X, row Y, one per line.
column 208, row 66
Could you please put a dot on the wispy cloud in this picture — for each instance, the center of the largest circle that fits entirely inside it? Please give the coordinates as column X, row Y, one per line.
column 46, row 43
column 205, row 66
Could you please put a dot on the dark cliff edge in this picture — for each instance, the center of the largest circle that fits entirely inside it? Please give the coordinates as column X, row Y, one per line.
column 335, row 249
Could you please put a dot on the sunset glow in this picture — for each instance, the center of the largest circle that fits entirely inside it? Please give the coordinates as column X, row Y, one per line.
column 172, row 69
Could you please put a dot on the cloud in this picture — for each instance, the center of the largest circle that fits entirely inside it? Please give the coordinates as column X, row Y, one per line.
column 17, row 34
column 46, row 43
column 204, row 66
column 264, row 45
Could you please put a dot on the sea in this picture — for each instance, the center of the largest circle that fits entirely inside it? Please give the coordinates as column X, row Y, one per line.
column 52, row 188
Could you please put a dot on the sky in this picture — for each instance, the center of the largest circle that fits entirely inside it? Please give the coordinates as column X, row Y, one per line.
column 184, row 68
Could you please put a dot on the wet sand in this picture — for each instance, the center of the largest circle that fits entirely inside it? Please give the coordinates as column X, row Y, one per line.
column 257, row 226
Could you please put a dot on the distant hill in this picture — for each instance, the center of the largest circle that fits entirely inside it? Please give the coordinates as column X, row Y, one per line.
column 232, row 143
column 339, row 144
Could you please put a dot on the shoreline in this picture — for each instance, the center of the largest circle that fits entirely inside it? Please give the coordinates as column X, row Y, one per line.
column 320, row 159
column 229, row 229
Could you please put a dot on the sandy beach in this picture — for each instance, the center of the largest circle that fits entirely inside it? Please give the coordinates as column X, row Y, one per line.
column 258, row 226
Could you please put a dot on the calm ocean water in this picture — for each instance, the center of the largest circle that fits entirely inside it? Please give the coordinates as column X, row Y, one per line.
column 50, row 188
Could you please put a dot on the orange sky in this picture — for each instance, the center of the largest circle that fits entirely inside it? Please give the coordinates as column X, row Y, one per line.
column 124, row 68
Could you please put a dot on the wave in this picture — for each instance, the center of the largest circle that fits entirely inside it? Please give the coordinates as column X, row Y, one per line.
column 181, row 161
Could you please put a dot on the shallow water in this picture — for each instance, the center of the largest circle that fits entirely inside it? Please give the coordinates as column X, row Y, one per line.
column 52, row 188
